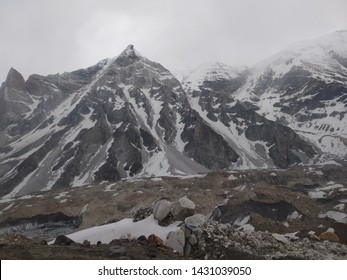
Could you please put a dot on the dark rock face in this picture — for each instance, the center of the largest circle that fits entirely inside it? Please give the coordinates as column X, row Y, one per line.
column 15, row 80
column 44, row 225
column 15, row 102
column 278, row 211
column 217, row 154
column 54, row 218
column 282, row 140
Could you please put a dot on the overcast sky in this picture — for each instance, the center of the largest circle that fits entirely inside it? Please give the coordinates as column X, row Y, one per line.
column 48, row 37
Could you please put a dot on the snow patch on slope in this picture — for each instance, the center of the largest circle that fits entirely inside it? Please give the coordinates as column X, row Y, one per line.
column 125, row 228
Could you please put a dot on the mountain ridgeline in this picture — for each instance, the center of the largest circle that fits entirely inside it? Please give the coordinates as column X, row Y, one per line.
column 130, row 117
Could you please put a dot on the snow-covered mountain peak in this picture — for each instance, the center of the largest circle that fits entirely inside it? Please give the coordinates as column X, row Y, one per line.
column 314, row 55
column 323, row 58
column 321, row 49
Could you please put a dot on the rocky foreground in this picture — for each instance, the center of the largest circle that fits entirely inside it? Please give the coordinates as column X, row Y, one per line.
column 213, row 241
column 297, row 213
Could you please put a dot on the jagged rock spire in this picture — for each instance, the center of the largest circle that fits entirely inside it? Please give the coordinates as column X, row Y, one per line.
column 15, row 80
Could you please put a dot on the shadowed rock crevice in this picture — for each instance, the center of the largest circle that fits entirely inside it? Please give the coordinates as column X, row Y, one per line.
column 232, row 212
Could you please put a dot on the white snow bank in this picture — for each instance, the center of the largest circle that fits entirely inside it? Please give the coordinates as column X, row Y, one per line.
column 124, row 228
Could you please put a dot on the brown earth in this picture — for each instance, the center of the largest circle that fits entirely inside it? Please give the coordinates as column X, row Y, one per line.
column 103, row 203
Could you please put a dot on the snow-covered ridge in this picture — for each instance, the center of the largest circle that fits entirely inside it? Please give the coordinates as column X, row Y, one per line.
column 317, row 56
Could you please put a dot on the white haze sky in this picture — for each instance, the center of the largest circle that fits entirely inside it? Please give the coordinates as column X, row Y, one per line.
column 48, row 37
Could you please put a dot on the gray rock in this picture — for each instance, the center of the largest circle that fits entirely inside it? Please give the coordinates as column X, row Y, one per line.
column 161, row 209
column 142, row 240
column 142, row 214
column 40, row 241
column 183, row 208
column 176, row 241
column 187, row 231
column 86, row 243
column 63, row 240
column 193, row 240
column 281, row 238
column 194, row 222
column 187, row 249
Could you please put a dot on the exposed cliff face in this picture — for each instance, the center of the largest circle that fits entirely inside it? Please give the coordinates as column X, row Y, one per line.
column 14, row 100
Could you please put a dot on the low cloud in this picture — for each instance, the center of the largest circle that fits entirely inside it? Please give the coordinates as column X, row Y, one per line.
column 46, row 37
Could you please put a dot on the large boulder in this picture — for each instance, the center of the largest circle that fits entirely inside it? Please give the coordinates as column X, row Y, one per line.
column 281, row 238
column 183, row 208
column 63, row 241
column 176, row 241
column 330, row 236
column 155, row 240
column 195, row 222
column 161, row 209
